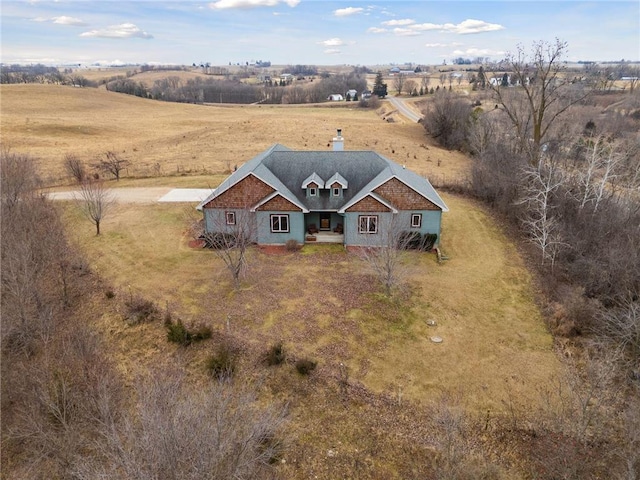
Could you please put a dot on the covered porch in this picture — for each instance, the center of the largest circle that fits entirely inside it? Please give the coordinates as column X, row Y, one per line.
column 324, row 237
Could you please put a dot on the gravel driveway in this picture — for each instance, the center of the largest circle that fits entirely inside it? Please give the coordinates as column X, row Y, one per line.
column 145, row 195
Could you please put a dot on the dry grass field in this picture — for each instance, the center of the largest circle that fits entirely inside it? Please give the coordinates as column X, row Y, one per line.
column 162, row 139
column 322, row 303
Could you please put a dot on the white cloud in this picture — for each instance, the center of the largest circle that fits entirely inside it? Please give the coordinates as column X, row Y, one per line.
column 63, row 20
column 345, row 12
column 405, row 32
column 466, row 27
column 377, row 30
column 435, row 45
column 479, row 52
column 124, row 30
column 332, row 42
column 225, row 4
column 475, row 26
column 398, row 23
column 332, row 51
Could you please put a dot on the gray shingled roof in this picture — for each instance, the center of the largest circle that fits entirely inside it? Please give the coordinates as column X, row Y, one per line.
column 286, row 170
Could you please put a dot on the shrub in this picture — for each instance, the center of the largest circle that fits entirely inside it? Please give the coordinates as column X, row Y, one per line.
column 410, row 240
column 178, row 333
column 304, row 366
column 292, row 245
column 140, row 310
column 221, row 241
column 222, row 363
column 428, row 241
column 275, row 355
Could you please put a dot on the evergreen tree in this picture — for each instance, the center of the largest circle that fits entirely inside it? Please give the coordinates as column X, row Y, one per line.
column 379, row 87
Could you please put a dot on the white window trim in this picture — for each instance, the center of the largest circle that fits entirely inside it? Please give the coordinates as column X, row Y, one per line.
column 336, row 191
column 313, row 191
column 368, row 220
column 230, row 218
column 280, row 229
column 417, row 224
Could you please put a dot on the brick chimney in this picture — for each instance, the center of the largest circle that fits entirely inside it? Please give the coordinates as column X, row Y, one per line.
column 338, row 142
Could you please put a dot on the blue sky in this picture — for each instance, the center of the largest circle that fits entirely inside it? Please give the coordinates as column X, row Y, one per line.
column 310, row 31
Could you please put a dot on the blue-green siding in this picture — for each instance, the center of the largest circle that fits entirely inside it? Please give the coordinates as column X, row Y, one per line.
column 267, row 237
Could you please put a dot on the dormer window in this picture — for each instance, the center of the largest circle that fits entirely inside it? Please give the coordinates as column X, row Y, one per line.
column 336, row 191
column 313, row 192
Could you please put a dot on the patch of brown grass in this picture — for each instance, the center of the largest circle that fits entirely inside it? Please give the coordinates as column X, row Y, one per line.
column 162, row 139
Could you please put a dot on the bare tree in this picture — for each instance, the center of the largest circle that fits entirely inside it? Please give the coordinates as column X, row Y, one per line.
column 398, row 82
column 230, row 236
column 385, row 253
column 75, row 167
column 447, row 119
column 424, row 82
column 546, row 90
column 540, row 223
column 112, row 163
column 410, row 87
column 95, row 201
column 19, row 177
column 218, row 431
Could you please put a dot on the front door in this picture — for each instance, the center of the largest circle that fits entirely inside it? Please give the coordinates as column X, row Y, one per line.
column 325, row 221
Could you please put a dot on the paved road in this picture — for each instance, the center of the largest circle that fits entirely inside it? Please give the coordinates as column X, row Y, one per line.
column 405, row 108
column 145, row 194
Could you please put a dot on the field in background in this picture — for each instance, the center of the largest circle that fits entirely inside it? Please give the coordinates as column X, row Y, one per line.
column 162, row 139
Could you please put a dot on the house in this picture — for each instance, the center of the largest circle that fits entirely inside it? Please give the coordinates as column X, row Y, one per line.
column 353, row 93
column 365, row 94
column 335, row 97
column 350, row 197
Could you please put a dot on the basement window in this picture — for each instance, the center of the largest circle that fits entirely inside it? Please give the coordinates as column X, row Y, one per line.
column 230, row 218
column 279, row 223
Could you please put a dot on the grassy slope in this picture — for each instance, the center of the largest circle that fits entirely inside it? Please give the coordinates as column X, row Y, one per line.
column 49, row 121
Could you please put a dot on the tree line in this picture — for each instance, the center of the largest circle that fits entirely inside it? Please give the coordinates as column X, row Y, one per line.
column 548, row 160
column 210, row 90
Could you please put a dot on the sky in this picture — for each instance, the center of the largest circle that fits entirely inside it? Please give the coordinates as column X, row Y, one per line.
column 310, row 32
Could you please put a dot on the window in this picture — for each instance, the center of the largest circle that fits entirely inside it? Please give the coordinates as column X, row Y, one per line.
column 336, row 192
column 279, row 223
column 313, row 192
column 416, row 220
column 230, row 218
column 368, row 223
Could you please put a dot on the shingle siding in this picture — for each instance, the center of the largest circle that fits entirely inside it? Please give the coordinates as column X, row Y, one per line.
column 402, row 197
column 244, row 194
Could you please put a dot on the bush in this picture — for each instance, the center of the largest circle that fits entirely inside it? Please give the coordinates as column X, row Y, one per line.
column 140, row 310
column 428, row 241
column 292, row 245
column 222, row 363
column 410, row 240
column 304, row 366
column 220, row 241
column 178, row 333
column 275, row 355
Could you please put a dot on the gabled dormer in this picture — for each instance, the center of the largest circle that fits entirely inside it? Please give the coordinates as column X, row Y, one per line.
column 337, row 183
column 312, row 184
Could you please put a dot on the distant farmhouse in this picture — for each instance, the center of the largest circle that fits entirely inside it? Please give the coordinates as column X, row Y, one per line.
column 338, row 196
